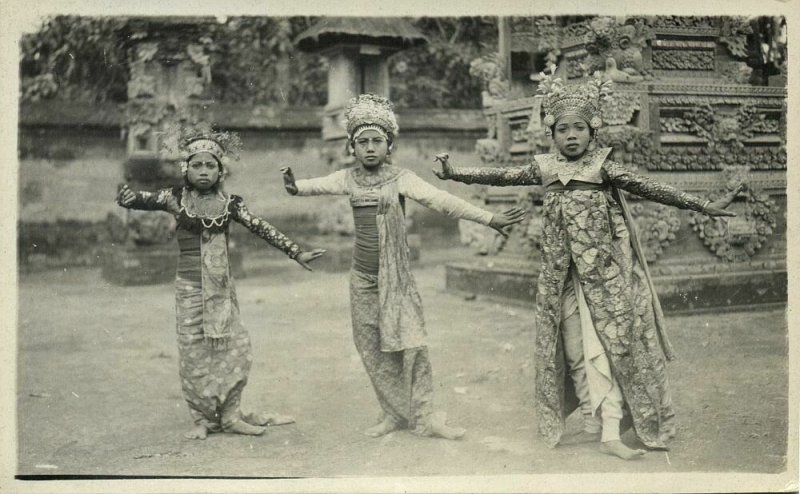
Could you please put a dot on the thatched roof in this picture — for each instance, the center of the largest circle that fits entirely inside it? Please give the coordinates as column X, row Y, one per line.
column 385, row 31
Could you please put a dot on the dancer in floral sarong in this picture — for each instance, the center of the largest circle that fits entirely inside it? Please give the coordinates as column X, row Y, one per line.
column 214, row 347
column 388, row 326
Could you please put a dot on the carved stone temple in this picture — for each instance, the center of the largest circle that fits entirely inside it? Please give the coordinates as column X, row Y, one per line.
column 169, row 80
column 689, row 111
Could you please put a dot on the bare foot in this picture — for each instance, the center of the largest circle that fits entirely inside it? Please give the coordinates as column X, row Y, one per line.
column 242, row 427
column 438, row 428
column 581, row 437
column 447, row 432
column 669, row 433
column 265, row 418
column 196, row 432
column 386, row 426
column 618, row 449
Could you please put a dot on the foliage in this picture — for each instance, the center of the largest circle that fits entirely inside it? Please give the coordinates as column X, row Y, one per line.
column 437, row 74
column 256, row 61
column 73, row 57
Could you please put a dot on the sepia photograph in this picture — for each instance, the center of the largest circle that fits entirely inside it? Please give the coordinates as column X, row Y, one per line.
column 523, row 249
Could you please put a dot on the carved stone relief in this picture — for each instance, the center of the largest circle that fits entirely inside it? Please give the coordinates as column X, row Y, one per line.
column 737, row 239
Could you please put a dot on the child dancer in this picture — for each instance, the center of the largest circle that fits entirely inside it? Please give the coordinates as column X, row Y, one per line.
column 214, row 347
column 388, row 326
column 595, row 306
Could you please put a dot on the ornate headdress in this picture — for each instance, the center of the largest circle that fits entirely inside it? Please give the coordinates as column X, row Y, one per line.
column 370, row 111
column 184, row 142
column 583, row 100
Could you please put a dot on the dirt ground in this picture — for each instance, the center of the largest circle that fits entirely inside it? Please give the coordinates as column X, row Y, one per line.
column 98, row 391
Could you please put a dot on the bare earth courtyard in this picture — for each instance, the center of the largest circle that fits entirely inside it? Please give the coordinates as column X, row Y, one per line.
column 98, row 390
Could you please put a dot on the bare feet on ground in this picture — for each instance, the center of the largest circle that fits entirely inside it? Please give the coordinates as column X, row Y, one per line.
column 618, row 449
column 439, row 428
column 384, row 427
column 196, row 432
column 266, row 418
column 242, row 427
column 447, row 432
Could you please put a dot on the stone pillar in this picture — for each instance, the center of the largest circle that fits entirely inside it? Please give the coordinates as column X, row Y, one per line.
column 170, row 75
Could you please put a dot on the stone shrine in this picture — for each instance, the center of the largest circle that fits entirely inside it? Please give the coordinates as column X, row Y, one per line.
column 689, row 111
column 170, row 74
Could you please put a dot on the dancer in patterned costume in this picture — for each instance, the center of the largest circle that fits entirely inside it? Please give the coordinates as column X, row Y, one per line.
column 597, row 313
column 388, row 326
column 214, row 347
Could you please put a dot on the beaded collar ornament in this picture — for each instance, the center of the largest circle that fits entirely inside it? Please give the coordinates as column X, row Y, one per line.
column 370, row 110
column 583, row 100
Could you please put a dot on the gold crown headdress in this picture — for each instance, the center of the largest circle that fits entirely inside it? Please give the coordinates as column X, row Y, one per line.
column 184, row 142
column 370, row 111
column 584, row 100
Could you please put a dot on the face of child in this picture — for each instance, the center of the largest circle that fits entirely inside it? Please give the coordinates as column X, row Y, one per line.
column 572, row 135
column 371, row 148
column 203, row 172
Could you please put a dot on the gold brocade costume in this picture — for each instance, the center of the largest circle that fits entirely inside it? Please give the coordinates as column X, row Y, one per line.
column 586, row 225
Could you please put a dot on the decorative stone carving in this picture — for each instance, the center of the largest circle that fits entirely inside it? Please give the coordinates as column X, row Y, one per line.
column 619, row 110
column 737, row 239
column 616, row 49
column 682, row 22
column 489, row 150
column 696, row 158
column 491, row 70
column 733, row 33
column 631, row 145
column 736, row 72
column 484, row 240
column 532, row 230
column 146, row 228
column 575, row 30
column 656, row 225
column 683, row 60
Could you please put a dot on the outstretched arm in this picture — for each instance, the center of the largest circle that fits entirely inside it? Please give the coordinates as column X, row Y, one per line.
column 443, row 202
column 271, row 235
column 621, row 177
column 163, row 200
column 333, row 184
column 512, row 175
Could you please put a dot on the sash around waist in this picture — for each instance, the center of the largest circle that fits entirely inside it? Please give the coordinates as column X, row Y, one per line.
column 573, row 185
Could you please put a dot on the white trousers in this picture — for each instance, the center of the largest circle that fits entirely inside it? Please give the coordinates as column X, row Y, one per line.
column 595, row 386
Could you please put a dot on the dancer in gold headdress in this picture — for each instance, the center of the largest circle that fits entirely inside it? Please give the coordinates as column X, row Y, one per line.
column 388, row 327
column 595, row 305
column 214, row 347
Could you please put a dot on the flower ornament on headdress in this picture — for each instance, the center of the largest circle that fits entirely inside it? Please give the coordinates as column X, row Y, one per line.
column 370, row 112
column 584, row 100
column 184, row 142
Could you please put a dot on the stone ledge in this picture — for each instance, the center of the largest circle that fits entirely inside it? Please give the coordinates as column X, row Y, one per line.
column 683, row 294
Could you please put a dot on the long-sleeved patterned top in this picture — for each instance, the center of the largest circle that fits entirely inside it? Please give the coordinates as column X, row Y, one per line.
column 346, row 182
column 586, row 224
column 377, row 207
column 203, row 244
column 593, row 167
column 172, row 200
